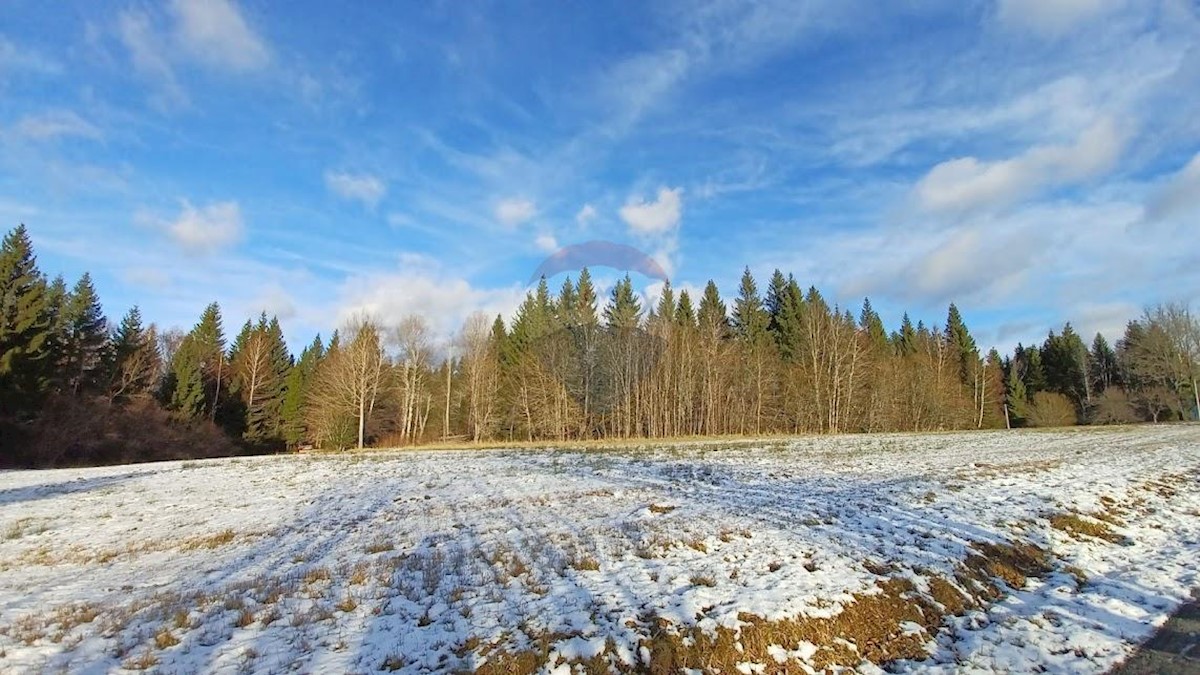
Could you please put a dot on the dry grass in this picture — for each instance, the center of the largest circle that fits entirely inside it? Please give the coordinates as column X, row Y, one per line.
column 143, row 661
column 207, row 542
column 1013, row 564
column 380, row 546
column 586, row 563
column 1079, row 527
column 661, row 509
column 703, row 581
column 164, row 639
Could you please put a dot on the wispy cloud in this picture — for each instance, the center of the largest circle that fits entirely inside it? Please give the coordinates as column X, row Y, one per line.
column 967, row 183
column 1052, row 17
column 361, row 187
column 54, row 124
column 1179, row 196
column 215, row 32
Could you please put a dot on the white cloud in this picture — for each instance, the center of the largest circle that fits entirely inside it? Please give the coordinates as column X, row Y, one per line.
column 363, row 187
column 210, row 32
column 1180, row 195
column 654, row 217
column 56, row 124
column 546, row 243
column 513, row 212
column 442, row 300
column 209, row 228
column 587, row 213
column 1052, row 17
column 216, row 33
column 967, row 183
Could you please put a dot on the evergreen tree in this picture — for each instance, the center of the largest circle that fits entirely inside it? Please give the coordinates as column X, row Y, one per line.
column 872, row 325
column 624, row 310
column 1064, row 362
column 296, row 391
column 585, row 299
column 790, row 329
column 1031, row 370
column 566, row 309
column 966, row 353
column 87, row 348
column 136, row 362
column 1103, row 368
column 26, row 333
column 199, row 370
column 665, row 312
column 776, row 294
column 906, row 338
column 712, row 315
column 750, row 318
column 1018, row 398
column 685, row 315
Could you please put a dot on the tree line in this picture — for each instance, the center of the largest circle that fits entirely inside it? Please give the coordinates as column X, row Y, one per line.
column 566, row 366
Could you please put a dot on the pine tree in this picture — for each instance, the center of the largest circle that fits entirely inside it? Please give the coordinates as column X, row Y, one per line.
column 1017, row 397
column 1064, row 361
column 25, row 325
column 776, row 292
column 664, row 313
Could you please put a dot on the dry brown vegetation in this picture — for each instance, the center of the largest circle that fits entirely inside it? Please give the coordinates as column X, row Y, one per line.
column 1078, row 526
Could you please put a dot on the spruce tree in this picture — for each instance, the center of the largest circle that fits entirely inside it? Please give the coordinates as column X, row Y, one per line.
column 87, row 348
column 750, row 318
column 966, row 353
column 906, row 338
column 712, row 315
column 624, row 310
column 685, row 314
column 296, row 391
column 585, row 299
column 1103, row 367
column 136, row 363
column 871, row 324
column 25, row 325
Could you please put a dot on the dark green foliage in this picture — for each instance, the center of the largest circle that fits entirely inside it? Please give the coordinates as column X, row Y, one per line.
column 296, row 390
column 86, row 348
column 750, row 317
column 712, row 315
column 26, row 330
column 624, row 310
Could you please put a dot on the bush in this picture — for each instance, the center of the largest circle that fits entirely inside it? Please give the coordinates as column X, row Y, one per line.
column 1048, row 409
column 1114, row 407
column 87, row 432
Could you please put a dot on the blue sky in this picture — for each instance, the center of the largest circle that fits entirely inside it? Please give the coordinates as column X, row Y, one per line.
column 1034, row 161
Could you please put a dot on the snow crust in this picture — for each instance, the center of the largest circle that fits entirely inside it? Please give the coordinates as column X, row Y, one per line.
column 428, row 561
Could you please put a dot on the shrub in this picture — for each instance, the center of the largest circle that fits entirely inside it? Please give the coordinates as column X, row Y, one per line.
column 1049, row 409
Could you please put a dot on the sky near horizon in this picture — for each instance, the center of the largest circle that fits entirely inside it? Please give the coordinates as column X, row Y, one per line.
column 1033, row 161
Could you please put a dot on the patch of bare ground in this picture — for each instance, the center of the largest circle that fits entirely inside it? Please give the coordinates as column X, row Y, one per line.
column 892, row 622
column 1079, row 526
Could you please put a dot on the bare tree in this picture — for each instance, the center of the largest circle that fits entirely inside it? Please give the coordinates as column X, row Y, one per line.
column 351, row 379
column 414, row 354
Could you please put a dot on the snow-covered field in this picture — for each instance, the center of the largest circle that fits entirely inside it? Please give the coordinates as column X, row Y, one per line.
column 749, row 557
